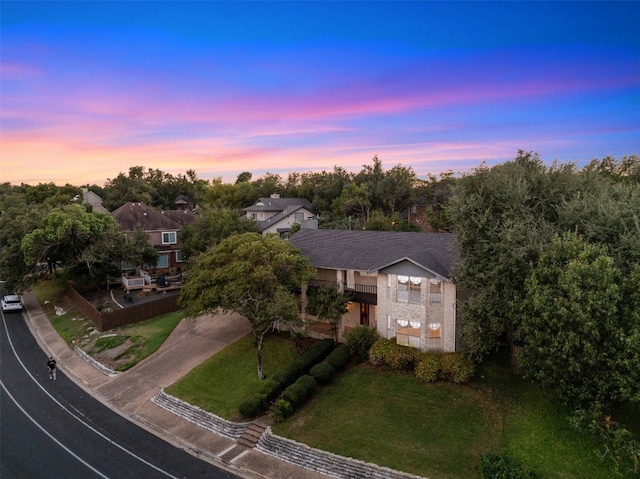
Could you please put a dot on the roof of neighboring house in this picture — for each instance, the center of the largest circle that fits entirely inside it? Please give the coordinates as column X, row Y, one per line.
column 182, row 217
column 279, row 204
column 263, row 225
column 374, row 250
column 133, row 216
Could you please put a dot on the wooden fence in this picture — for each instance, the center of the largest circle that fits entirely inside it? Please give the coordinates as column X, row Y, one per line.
column 121, row 317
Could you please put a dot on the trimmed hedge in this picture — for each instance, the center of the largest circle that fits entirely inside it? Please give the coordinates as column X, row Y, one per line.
column 456, row 368
column 296, row 394
column 308, row 382
column 429, row 366
column 339, row 357
column 282, row 410
column 251, row 407
column 380, row 351
column 323, row 372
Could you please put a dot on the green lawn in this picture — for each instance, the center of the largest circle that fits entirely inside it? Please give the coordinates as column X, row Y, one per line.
column 221, row 383
column 434, row 430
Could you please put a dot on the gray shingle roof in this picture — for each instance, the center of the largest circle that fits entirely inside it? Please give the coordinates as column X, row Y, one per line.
column 279, row 204
column 374, row 250
column 263, row 225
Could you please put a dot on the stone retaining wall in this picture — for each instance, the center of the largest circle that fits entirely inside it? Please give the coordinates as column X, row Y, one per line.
column 324, row 462
column 211, row 422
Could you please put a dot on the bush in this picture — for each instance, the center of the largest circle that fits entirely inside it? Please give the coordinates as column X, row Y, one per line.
column 324, row 346
column 251, row 407
column 498, row 466
column 282, row 410
column 323, row 372
column 379, row 352
column 271, row 388
column 309, row 383
column 310, row 357
column 428, row 367
column 339, row 357
column 360, row 339
column 287, row 374
column 456, row 368
column 296, row 394
column 402, row 358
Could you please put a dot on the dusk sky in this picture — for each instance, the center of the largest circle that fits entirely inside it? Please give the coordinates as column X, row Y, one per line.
column 89, row 89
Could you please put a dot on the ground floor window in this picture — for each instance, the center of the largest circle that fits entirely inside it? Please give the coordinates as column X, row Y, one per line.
column 408, row 333
column 435, row 336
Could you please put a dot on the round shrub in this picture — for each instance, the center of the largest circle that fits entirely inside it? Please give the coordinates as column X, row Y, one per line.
column 428, row 367
column 360, row 339
column 311, row 357
column 281, row 410
column 251, row 407
column 308, row 382
column 296, row 394
column 323, row 372
column 339, row 357
column 456, row 368
column 379, row 352
column 402, row 358
column 271, row 388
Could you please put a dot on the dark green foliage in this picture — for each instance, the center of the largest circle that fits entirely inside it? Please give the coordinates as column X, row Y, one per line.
column 251, row 407
column 323, row 372
column 309, row 358
column 287, row 374
column 339, row 357
column 360, row 339
column 325, row 346
column 429, row 366
column 497, row 466
column 296, row 394
column 282, row 410
column 379, row 352
column 456, row 368
column 308, row 382
column 271, row 388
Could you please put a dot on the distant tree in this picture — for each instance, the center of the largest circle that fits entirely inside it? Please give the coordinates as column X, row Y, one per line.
column 252, row 275
column 244, row 177
column 211, row 227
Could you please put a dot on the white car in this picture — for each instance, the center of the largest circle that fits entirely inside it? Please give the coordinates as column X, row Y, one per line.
column 11, row 302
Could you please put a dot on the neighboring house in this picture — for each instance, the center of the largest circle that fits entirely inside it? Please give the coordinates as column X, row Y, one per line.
column 162, row 228
column 401, row 282
column 94, row 200
column 278, row 215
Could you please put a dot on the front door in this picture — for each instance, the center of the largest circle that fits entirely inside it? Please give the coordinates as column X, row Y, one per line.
column 364, row 314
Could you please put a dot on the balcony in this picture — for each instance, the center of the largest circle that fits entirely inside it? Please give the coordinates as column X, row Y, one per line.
column 362, row 293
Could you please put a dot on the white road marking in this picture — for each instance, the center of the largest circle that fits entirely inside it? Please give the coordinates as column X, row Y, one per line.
column 122, row 448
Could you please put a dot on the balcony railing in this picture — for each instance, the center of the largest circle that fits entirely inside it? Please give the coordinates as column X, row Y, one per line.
column 362, row 293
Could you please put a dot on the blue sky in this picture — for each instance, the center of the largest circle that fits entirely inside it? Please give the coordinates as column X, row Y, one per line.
column 90, row 89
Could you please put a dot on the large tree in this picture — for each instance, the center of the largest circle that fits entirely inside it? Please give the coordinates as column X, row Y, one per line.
column 581, row 326
column 254, row 276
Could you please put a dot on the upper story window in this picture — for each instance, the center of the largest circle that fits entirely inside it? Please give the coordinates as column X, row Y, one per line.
column 435, row 291
column 254, row 216
column 169, row 237
column 408, row 289
column 299, row 217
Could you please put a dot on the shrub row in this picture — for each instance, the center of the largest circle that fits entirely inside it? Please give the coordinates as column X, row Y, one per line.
column 299, row 392
column 427, row 366
column 259, row 402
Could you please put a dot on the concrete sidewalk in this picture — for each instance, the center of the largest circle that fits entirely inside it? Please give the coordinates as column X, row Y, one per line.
column 129, row 393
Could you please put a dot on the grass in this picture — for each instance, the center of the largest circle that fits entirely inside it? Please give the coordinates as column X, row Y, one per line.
column 434, row 430
column 144, row 338
column 221, row 383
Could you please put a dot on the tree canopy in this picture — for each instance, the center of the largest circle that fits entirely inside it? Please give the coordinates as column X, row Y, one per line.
column 252, row 275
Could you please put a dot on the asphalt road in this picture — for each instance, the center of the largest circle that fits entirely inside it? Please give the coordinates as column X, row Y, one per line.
column 54, row 429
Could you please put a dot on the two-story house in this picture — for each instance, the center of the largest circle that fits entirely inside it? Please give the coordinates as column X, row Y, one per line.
column 162, row 228
column 276, row 215
column 401, row 282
